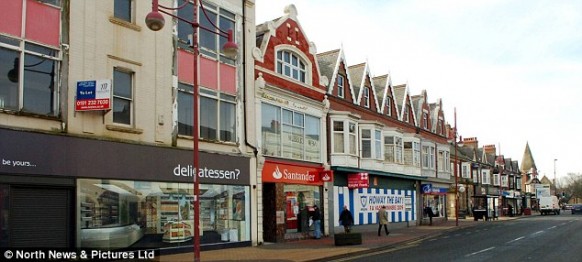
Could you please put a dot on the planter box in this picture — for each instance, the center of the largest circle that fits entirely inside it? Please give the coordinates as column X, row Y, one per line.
column 348, row 239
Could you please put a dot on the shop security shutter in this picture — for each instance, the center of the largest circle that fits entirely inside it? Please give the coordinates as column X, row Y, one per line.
column 40, row 217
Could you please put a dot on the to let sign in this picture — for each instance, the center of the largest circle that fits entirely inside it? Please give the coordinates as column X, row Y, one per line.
column 93, row 95
column 359, row 180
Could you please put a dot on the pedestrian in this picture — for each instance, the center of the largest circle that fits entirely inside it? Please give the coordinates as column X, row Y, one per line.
column 346, row 219
column 316, row 217
column 383, row 220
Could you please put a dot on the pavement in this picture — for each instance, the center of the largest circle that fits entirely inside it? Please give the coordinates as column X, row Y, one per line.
column 324, row 249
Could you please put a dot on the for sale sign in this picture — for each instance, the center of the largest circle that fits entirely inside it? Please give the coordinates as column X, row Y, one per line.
column 93, row 95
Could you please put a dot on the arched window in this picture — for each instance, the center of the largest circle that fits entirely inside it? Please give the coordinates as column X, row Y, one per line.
column 290, row 65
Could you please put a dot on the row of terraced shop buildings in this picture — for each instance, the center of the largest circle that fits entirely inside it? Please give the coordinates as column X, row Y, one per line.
column 96, row 133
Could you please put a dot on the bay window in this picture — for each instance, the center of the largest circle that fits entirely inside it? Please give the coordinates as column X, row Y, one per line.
column 485, row 177
column 428, row 158
column 366, row 138
column 378, row 143
column 393, row 148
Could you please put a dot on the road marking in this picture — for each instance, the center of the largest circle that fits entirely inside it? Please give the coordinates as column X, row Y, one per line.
column 539, row 232
column 552, row 227
column 517, row 239
column 478, row 252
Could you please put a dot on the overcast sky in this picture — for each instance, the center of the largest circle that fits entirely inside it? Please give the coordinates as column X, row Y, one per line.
column 512, row 69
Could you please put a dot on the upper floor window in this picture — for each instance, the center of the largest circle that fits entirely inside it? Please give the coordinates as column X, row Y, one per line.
column 210, row 17
column 290, row 134
column 290, row 65
column 466, row 170
column 29, row 81
column 496, row 180
column 440, row 127
column 485, row 177
column 122, row 9
column 428, row 157
column 425, row 120
column 344, row 135
column 122, row 96
column 366, row 97
column 217, row 114
column 444, row 163
column 475, row 173
column 504, row 181
column 405, row 116
column 393, row 147
column 366, row 140
column 388, row 106
column 340, row 86
column 378, row 144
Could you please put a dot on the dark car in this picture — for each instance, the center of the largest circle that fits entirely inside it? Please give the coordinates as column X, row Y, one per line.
column 577, row 209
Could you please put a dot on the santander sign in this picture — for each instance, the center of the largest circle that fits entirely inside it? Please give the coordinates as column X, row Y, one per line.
column 293, row 174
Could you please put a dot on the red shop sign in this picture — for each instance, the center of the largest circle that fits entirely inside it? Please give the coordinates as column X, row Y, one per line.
column 359, row 180
column 295, row 174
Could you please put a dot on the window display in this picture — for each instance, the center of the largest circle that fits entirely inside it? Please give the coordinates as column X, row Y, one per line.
column 120, row 214
column 300, row 199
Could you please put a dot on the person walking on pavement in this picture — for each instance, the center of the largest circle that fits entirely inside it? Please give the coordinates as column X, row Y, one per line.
column 383, row 220
column 346, row 219
column 316, row 217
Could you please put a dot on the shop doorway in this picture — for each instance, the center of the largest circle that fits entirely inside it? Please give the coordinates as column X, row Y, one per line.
column 40, row 217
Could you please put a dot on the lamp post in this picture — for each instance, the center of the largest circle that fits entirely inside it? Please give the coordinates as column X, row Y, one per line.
column 555, row 186
column 456, row 175
column 155, row 22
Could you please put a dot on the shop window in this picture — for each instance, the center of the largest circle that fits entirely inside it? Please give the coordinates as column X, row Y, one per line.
column 140, row 214
column 300, row 200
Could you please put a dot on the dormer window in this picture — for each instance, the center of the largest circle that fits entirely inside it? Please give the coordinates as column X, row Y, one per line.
column 425, row 120
column 290, row 65
column 340, row 86
column 405, row 117
column 366, row 97
column 388, row 106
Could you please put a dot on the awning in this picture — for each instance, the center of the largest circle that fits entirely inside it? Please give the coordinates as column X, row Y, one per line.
column 375, row 172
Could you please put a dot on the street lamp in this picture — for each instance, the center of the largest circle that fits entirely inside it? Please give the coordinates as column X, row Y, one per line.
column 155, row 22
column 456, row 174
column 555, row 186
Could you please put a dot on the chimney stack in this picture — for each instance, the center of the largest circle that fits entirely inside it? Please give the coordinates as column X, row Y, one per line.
column 471, row 142
column 490, row 149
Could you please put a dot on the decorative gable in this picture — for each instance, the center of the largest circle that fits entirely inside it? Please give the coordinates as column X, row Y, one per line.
column 286, row 58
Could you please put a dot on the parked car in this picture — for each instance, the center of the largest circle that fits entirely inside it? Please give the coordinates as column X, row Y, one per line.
column 567, row 207
column 577, row 209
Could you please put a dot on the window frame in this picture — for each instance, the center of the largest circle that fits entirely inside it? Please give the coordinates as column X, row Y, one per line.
column 219, row 99
column 282, row 65
column 294, row 125
column 130, row 99
column 340, row 86
column 16, row 94
column 388, row 102
column 366, row 97
column 130, row 13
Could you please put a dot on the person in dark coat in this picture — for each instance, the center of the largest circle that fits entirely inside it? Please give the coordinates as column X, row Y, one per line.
column 316, row 216
column 346, row 219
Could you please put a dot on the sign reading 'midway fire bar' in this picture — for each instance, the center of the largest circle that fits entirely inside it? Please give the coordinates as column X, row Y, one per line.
column 93, row 95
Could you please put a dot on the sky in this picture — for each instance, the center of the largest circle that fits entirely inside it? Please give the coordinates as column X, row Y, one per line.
column 511, row 69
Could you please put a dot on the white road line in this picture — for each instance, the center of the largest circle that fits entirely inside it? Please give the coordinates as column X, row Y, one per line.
column 517, row 239
column 552, row 227
column 539, row 232
column 484, row 250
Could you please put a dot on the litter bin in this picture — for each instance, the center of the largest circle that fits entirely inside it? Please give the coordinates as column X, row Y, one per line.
column 527, row 211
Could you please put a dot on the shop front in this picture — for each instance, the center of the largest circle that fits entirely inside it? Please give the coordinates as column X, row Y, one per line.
column 290, row 192
column 127, row 196
column 364, row 192
column 486, row 202
column 434, row 200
